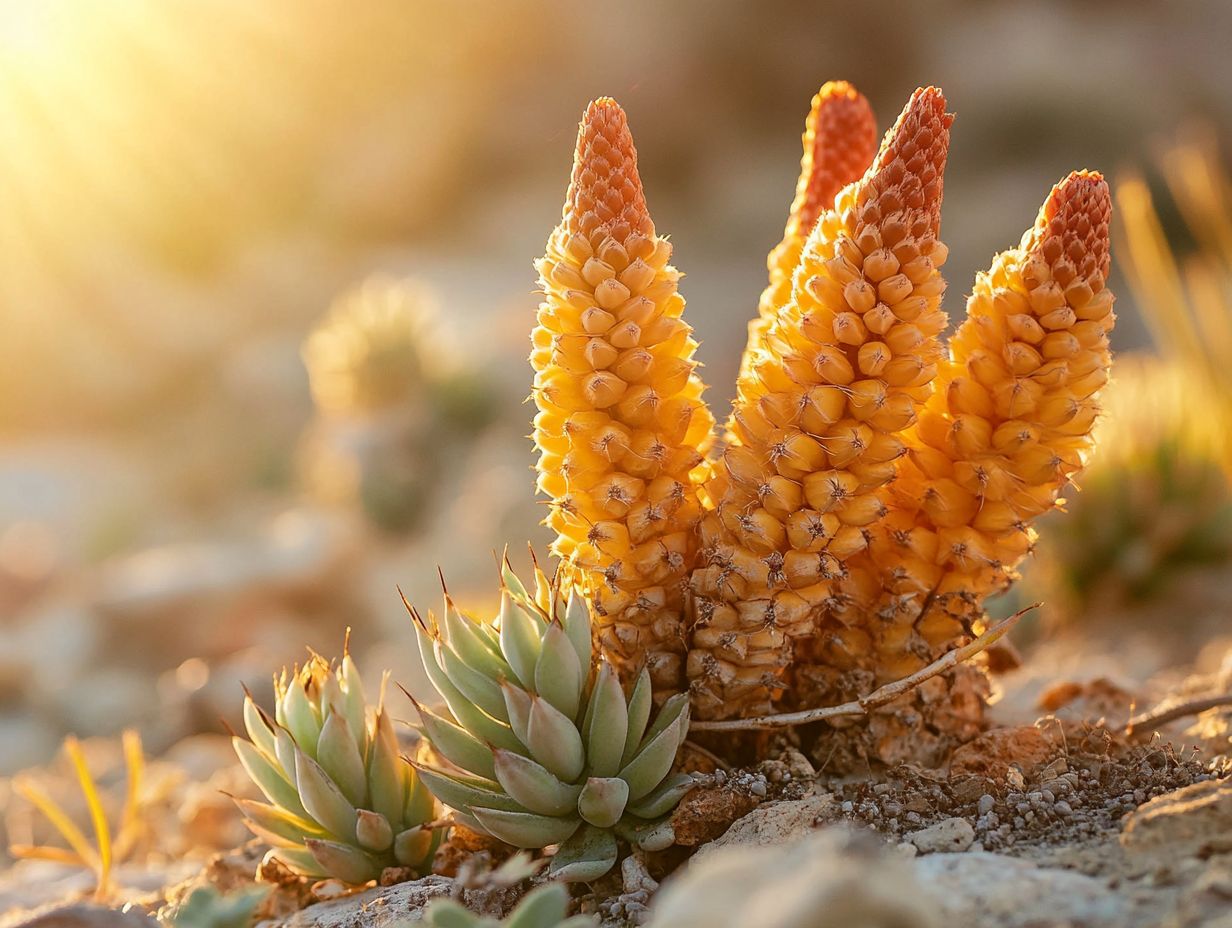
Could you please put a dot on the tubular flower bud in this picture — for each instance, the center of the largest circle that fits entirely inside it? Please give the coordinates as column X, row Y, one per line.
column 816, row 412
column 622, row 430
column 840, row 140
column 1003, row 462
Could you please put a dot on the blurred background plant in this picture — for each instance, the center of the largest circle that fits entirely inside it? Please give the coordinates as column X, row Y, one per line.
column 396, row 402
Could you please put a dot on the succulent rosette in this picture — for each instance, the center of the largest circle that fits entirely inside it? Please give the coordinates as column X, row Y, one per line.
column 542, row 746
column 342, row 803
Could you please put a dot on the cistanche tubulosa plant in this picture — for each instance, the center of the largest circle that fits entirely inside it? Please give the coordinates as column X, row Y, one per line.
column 542, row 745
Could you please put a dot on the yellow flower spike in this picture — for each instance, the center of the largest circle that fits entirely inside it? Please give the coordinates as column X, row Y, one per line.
column 1008, row 427
column 622, row 430
column 843, row 367
column 840, row 140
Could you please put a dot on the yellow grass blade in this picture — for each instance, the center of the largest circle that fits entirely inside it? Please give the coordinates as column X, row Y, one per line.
column 98, row 817
column 130, row 819
column 58, row 855
column 59, row 820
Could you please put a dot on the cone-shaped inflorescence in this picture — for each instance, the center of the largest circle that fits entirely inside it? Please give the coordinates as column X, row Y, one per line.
column 622, row 429
column 815, row 428
column 840, row 140
column 1008, row 427
column 342, row 802
column 541, row 745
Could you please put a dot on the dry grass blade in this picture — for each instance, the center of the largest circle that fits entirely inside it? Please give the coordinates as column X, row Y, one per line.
column 879, row 697
column 101, row 856
column 98, row 817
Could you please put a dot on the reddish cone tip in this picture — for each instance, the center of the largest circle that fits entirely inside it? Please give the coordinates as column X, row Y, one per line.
column 605, row 195
column 1072, row 228
column 909, row 171
column 841, row 140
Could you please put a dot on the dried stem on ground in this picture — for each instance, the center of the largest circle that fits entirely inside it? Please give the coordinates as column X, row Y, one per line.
column 878, row 697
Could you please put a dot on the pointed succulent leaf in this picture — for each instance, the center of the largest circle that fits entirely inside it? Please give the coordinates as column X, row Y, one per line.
column 513, row 583
column 420, row 806
column 291, row 828
column 554, row 741
column 284, row 749
column 373, row 831
column 525, row 829
column 457, row 745
column 301, row 719
column 468, row 715
column 587, row 855
column 669, row 713
column 412, row 846
column 259, row 731
column 355, row 704
column 519, row 638
column 344, row 862
column 385, row 771
column 272, row 838
column 640, row 701
column 339, row 757
column 477, row 650
column 301, row 860
column 544, row 907
column 269, row 779
column 652, row 763
column 602, row 801
column 664, row 798
column 517, row 704
column 578, row 628
column 445, row 913
column 478, row 687
column 534, row 786
column 322, row 799
column 558, row 675
column 461, row 795
column 607, row 723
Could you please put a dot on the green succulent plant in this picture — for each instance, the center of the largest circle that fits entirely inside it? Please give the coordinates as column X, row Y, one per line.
column 545, row 907
column 206, row 907
column 342, row 802
column 543, row 745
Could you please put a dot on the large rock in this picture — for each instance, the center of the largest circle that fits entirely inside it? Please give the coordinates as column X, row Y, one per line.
column 1194, row 821
column 979, row 889
column 776, row 823
column 831, row 879
column 388, row 906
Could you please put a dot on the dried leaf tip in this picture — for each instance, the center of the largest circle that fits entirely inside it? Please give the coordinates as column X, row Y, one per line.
column 840, row 140
column 907, row 176
column 605, row 195
column 1071, row 233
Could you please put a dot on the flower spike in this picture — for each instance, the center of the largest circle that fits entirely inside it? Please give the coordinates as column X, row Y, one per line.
column 814, row 431
column 840, row 140
column 622, row 430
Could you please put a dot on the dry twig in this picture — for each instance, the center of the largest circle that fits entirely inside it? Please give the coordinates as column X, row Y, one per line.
column 878, row 697
column 1170, row 712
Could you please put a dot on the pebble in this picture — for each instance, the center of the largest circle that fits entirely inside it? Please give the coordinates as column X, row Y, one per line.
column 986, row 804
column 950, row 834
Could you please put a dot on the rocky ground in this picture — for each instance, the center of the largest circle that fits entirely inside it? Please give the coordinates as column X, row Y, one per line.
column 1070, row 821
